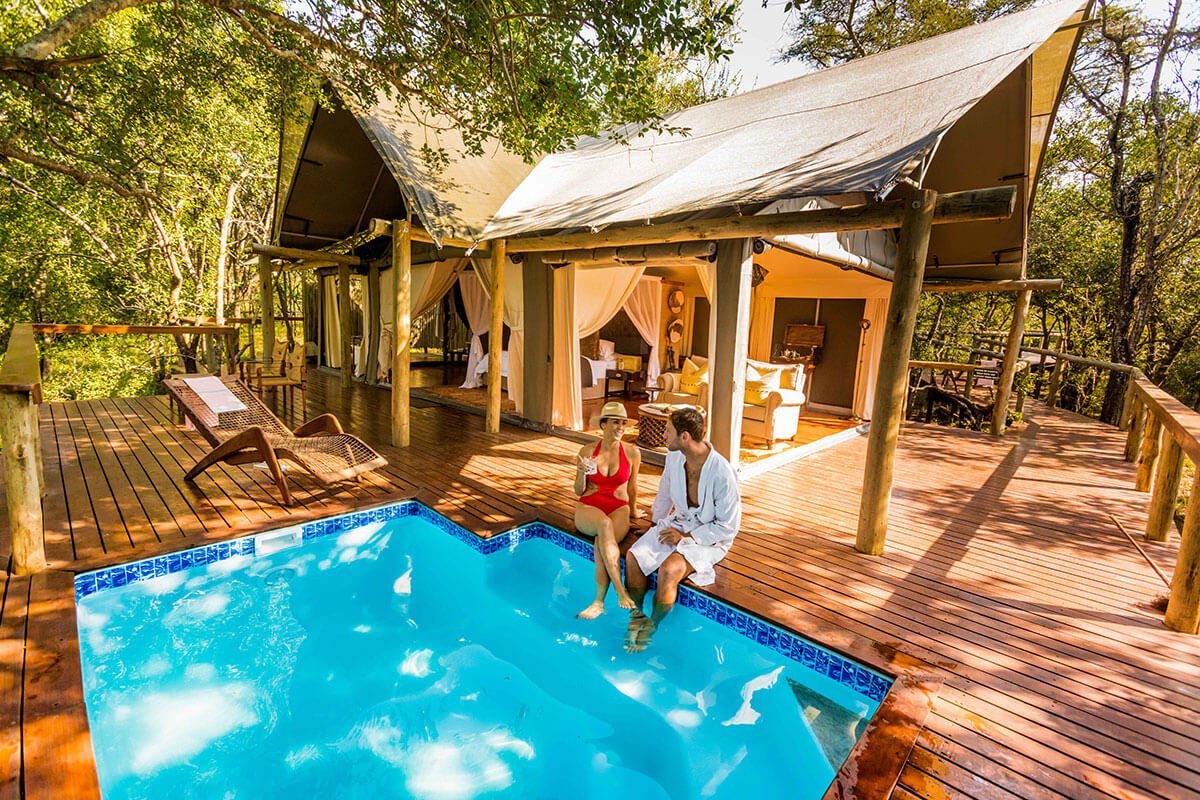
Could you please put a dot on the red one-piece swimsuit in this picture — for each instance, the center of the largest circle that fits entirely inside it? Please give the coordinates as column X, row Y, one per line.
column 605, row 497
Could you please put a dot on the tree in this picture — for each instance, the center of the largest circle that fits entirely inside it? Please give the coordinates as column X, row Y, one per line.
column 1140, row 118
column 531, row 76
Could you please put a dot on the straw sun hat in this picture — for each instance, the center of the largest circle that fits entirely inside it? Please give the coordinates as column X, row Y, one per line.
column 612, row 410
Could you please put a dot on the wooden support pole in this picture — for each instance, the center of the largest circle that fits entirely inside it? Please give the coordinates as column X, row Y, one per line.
column 537, row 289
column 1148, row 458
column 271, row 251
column 1133, row 441
column 344, row 320
column 729, row 338
column 266, row 304
column 372, row 324
column 893, row 371
column 1166, row 491
column 23, row 480
column 1056, row 379
column 1008, row 371
column 495, row 337
column 1183, row 609
column 402, row 309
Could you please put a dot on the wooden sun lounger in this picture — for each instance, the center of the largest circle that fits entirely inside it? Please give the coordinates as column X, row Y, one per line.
column 253, row 434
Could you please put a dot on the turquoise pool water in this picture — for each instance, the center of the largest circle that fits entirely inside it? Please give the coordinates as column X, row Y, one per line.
column 395, row 660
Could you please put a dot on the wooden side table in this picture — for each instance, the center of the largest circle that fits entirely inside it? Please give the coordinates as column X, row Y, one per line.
column 627, row 378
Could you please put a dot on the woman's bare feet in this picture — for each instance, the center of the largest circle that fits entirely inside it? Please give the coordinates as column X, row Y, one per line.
column 626, row 602
column 593, row 611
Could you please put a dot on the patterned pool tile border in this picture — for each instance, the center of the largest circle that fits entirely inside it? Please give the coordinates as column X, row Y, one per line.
column 861, row 679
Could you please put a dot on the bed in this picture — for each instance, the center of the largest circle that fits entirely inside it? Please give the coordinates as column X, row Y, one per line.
column 591, row 379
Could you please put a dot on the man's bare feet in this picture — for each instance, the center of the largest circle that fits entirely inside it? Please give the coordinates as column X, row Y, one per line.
column 641, row 629
column 636, row 621
column 592, row 611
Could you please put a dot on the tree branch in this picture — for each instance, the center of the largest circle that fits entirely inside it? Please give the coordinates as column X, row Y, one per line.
column 10, row 150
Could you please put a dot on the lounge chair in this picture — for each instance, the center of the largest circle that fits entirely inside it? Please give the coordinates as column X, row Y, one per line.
column 253, row 433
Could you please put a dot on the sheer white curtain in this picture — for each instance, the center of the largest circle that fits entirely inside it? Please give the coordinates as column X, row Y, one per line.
column 762, row 321
column 333, row 323
column 430, row 281
column 707, row 271
column 584, row 299
column 644, row 308
column 514, row 318
column 870, row 348
column 479, row 312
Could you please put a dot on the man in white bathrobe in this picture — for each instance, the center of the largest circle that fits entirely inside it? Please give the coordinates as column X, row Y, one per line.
column 696, row 515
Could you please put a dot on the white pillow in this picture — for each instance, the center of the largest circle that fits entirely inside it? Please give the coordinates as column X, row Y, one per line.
column 608, row 350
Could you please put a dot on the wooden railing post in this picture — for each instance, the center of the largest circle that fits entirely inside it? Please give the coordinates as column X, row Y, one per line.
column 1127, row 406
column 1166, row 490
column 1148, row 457
column 20, row 394
column 1056, row 378
column 1183, row 607
column 893, row 371
column 1133, row 441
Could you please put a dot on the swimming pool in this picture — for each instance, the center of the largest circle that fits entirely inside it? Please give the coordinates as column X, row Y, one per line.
column 391, row 654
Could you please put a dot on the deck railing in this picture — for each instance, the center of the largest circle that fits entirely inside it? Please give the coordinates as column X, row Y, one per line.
column 1162, row 431
column 20, row 394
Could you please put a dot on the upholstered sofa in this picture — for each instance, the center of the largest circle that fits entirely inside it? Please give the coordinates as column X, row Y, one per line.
column 769, row 412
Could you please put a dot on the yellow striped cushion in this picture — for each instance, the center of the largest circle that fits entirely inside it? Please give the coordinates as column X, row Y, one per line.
column 756, row 393
column 692, row 377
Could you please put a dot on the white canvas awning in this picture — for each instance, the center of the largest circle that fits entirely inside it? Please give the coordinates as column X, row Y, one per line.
column 857, row 127
column 459, row 199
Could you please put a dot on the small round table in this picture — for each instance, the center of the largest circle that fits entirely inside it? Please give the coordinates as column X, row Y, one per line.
column 652, row 423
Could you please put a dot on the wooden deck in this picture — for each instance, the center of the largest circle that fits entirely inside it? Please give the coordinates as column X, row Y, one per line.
column 1003, row 569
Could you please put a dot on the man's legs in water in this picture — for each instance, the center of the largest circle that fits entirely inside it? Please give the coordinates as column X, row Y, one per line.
column 672, row 571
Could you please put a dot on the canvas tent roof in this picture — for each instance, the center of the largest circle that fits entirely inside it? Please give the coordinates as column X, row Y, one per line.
column 964, row 110
column 457, row 200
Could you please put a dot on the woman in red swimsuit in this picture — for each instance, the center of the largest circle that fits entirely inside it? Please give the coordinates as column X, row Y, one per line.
column 606, row 482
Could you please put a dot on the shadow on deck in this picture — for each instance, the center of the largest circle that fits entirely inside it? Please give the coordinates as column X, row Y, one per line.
column 1003, row 568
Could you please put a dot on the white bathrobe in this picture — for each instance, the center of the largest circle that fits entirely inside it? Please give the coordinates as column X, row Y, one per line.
column 710, row 528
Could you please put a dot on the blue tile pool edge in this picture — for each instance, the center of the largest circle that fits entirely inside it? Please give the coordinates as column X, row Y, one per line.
column 851, row 674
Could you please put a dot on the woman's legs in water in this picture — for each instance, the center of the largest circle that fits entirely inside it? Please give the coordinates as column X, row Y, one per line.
column 608, row 531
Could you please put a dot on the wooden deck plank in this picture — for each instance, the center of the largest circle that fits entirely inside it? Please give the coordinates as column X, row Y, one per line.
column 56, row 523
column 56, row 742
column 1002, row 567
column 13, row 616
